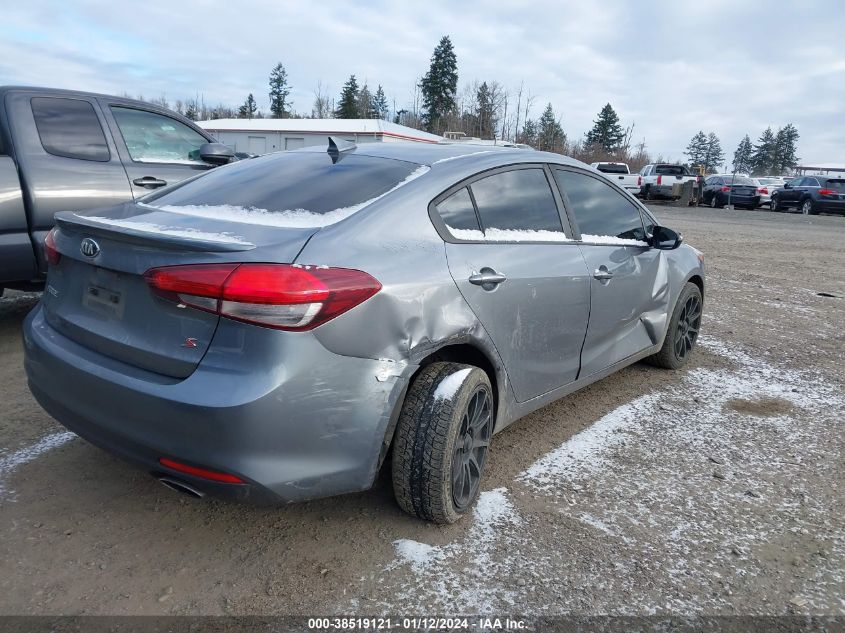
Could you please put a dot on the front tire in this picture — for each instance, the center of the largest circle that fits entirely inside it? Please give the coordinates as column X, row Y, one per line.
column 442, row 440
column 682, row 334
column 713, row 202
column 774, row 205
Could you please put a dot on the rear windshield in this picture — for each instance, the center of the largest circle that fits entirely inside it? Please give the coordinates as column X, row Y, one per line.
column 838, row 184
column 301, row 185
column 609, row 168
column 738, row 180
column 769, row 181
column 671, row 170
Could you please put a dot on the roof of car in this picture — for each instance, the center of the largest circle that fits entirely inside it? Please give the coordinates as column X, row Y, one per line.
column 66, row 92
column 431, row 153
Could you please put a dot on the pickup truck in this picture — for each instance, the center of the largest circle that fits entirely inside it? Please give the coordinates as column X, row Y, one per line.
column 620, row 174
column 67, row 150
column 656, row 181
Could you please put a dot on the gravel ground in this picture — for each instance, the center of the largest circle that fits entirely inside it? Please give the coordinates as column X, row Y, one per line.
column 718, row 489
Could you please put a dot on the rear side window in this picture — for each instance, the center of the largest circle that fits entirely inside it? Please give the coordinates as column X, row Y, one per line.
column 155, row 138
column 600, row 210
column 458, row 212
column 288, row 189
column 611, row 168
column 671, row 170
column 70, row 128
column 519, row 200
column 838, row 184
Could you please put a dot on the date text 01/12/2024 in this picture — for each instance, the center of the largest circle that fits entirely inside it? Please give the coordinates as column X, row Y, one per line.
column 416, row 624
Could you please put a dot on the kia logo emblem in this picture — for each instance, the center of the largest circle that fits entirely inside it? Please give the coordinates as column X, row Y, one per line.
column 89, row 247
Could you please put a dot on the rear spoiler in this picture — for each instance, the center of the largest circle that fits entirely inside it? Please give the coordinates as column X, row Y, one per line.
column 145, row 237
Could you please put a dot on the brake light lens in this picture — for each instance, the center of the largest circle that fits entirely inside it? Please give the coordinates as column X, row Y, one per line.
column 827, row 192
column 51, row 253
column 280, row 296
column 763, row 190
column 639, row 181
column 660, row 180
column 725, row 189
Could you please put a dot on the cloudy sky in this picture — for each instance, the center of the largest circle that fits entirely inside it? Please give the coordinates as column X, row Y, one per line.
column 670, row 68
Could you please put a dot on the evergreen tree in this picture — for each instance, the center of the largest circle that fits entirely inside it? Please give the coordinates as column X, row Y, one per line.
column 485, row 123
column 439, row 85
column 607, row 133
column 248, row 109
column 714, row 157
column 528, row 134
column 279, row 91
column 786, row 149
column 697, row 150
column 191, row 111
column 550, row 136
column 347, row 107
column 380, row 106
column 764, row 153
column 365, row 103
column 743, row 162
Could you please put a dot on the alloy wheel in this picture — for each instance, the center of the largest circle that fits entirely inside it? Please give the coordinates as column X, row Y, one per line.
column 806, row 207
column 689, row 324
column 471, row 448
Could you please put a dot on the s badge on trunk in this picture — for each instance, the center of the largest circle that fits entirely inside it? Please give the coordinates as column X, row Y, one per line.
column 89, row 247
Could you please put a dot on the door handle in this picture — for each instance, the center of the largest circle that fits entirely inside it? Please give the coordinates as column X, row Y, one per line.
column 149, row 182
column 487, row 278
column 602, row 274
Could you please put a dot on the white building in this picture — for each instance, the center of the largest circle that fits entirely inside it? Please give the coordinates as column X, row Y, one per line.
column 260, row 136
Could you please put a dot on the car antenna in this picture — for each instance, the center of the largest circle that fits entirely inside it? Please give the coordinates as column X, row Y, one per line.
column 338, row 148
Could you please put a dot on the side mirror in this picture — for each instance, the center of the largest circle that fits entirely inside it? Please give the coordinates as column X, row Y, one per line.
column 665, row 239
column 216, row 153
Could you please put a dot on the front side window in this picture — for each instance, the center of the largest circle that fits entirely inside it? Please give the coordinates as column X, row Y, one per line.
column 70, row 128
column 517, row 200
column 603, row 214
column 155, row 138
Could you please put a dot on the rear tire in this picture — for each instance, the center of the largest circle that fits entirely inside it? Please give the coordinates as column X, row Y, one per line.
column 647, row 193
column 808, row 208
column 442, row 441
column 682, row 333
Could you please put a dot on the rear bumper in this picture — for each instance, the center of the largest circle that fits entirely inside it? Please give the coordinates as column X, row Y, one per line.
column 830, row 206
column 274, row 408
column 740, row 201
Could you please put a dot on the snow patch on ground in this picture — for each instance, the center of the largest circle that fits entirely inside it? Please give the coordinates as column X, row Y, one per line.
column 285, row 218
column 10, row 463
column 692, row 486
column 454, row 577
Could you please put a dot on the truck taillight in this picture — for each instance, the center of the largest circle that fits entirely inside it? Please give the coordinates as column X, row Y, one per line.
column 639, row 181
column 280, row 296
column 660, row 180
column 51, row 253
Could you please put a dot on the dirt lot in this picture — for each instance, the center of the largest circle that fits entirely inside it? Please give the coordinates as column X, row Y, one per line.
column 718, row 489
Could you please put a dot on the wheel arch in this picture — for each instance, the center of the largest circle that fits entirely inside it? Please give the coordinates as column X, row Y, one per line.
column 465, row 353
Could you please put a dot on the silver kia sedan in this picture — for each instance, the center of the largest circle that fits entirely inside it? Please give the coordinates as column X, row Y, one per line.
column 277, row 329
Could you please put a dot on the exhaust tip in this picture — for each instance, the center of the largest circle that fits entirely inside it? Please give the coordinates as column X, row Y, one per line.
column 178, row 486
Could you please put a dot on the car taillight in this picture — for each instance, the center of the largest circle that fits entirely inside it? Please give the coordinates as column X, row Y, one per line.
column 280, row 296
column 827, row 192
column 50, row 251
column 763, row 190
column 725, row 189
column 660, row 180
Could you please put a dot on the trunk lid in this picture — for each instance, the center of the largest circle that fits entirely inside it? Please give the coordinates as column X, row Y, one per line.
column 96, row 294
